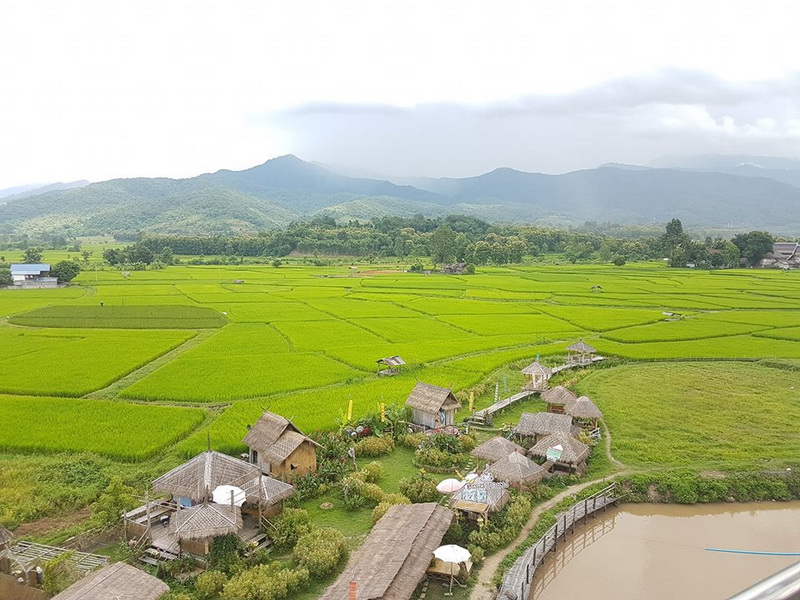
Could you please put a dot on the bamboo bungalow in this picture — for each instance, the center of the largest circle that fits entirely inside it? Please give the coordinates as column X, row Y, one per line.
column 394, row 557
column 580, row 353
column 564, row 451
column 119, row 581
column 517, row 470
column 199, row 525
column 558, row 399
column 432, row 406
column 534, row 426
column 537, row 377
column 479, row 498
column 584, row 413
column 280, row 448
column 391, row 365
column 496, row 448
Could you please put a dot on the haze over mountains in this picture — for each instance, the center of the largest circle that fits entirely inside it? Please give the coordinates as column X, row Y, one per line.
column 739, row 192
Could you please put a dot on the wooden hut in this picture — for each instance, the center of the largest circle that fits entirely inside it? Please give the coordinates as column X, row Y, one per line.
column 119, row 581
column 566, row 453
column 479, row 498
column 202, row 523
column 533, row 426
column 517, row 469
column 558, row 398
column 584, row 413
column 391, row 365
column 495, row 449
column 537, row 377
column 394, row 557
column 280, row 448
column 580, row 353
column 432, row 406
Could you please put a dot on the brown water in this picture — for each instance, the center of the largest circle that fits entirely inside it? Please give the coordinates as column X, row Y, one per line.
column 656, row 552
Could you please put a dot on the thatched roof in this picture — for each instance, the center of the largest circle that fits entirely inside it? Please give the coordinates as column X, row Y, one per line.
column 394, row 557
column 119, row 581
column 391, row 361
column 5, row 536
column 536, row 368
column 493, row 500
column 431, row 398
column 516, row 468
column 583, row 408
column 272, row 490
column 197, row 478
column 575, row 451
column 542, row 423
column 581, row 346
column 275, row 437
column 559, row 395
column 496, row 448
column 206, row 521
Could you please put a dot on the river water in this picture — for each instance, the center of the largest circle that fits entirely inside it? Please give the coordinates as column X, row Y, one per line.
column 657, row 552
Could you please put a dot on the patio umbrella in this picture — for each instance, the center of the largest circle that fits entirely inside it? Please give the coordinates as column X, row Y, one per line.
column 450, row 485
column 228, row 494
column 453, row 554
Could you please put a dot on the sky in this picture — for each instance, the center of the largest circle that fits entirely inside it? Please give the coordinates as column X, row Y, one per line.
column 97, row 89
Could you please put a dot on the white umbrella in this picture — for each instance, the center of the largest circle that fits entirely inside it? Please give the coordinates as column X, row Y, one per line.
column 449, row 486
column 228, row 494
column 453, row 554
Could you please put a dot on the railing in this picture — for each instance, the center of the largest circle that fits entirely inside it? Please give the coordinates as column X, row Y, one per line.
column 783, row 585
column 517, row 582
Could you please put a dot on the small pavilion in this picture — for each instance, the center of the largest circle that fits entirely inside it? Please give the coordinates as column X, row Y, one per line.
column 580, row 353
column 537, row 377
column 391, row 365
column 496, row 448
column 584, row 413
column 518, row 470
column 480, row 498
column 564, row 451
column 558, row 399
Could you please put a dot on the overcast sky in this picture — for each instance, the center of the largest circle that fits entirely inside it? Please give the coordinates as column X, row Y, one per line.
column 98, row 89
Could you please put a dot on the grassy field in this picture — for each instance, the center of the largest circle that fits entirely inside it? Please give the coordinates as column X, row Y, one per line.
column 303, row 341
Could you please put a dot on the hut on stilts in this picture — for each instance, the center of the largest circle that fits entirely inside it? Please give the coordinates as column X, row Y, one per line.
column 563, row 452
column 517, row 470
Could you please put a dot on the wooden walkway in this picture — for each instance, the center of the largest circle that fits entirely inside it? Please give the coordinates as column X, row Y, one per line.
column 517, row 581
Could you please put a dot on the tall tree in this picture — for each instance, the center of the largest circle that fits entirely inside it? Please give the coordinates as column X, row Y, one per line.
column 33, row 256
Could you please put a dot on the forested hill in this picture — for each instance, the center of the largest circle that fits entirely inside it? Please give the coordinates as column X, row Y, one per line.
column 287, row 189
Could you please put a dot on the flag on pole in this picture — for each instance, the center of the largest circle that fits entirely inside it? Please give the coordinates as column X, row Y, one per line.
column 350, row 409
column 383, row 412
column 471, row 402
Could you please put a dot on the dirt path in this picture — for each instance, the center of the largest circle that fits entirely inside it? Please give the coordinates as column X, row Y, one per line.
column 484, row 590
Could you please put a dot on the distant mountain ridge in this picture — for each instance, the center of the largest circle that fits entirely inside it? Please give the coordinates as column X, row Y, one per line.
column 287, row 188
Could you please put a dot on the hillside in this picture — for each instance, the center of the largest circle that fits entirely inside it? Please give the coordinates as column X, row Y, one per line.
column 284, row 189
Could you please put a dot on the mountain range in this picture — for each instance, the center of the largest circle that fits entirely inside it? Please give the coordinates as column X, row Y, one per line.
column 735, row 193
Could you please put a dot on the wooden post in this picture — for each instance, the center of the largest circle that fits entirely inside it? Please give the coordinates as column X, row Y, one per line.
column 147, row 510
column 528, row 571
column 555, row 536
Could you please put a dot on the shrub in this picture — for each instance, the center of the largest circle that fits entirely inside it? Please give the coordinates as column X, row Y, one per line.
column 289, row 526
column 445, row 442
column 419, row 488
column 476, row 552
column 209, row 585
column 504, row 526
column 265, row 582
column 59, row 574
column 373, row 492
column 412, row 440
column 372, row 472
column 374, row 446
column 115, row 500
column 433, row 457
column 226, row 553
column 321, row 550
column 353, row 493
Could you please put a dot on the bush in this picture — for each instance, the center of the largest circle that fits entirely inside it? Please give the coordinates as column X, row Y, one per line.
column 504, row 526
column 289, row 526
column 226, row 553
column 353, row 493
column 115, row 500
column 265, row 582
column 372, row 472
column 374, row 446
column 373, row 492
column 476, row 552
column 59, row 574
column 209, row 585
column 419, row 488
column 321, row 550
column 433, row 457
column 412, row 440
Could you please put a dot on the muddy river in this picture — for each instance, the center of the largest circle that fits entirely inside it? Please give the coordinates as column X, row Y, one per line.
column 658, row 552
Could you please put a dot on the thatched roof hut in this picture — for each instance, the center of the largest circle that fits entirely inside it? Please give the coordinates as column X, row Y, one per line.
column 206, row 521
column 574, row 452
column 583, row 408
column 432, row 406
column 558, row 398
column 516, row 468
column 476, row 498
column 5, row 537
column 394, row 557
column 197, row 478
column 119, row 581
column 540, row 424
column 536, row 376
column 580, row 353
column 496, row 449
column 272, row 490
column 280, row 447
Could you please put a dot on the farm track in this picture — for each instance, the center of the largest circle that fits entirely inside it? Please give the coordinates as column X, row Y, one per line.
column 112, row 391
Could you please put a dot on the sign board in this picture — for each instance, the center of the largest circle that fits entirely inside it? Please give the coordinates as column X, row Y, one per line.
column 554, row 453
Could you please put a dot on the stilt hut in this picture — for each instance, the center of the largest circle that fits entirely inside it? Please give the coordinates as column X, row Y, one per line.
column 534, row 426
column 479, row 498
column 563, row 451
column 119, row 581
column 391, row 365
column 432, row 406
column 496, row 448
column 584, row 413
column 537, row 377
column 580, row 353
column 517, row 470
column 199, row 525
column 558, row 399
column 280, row 448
